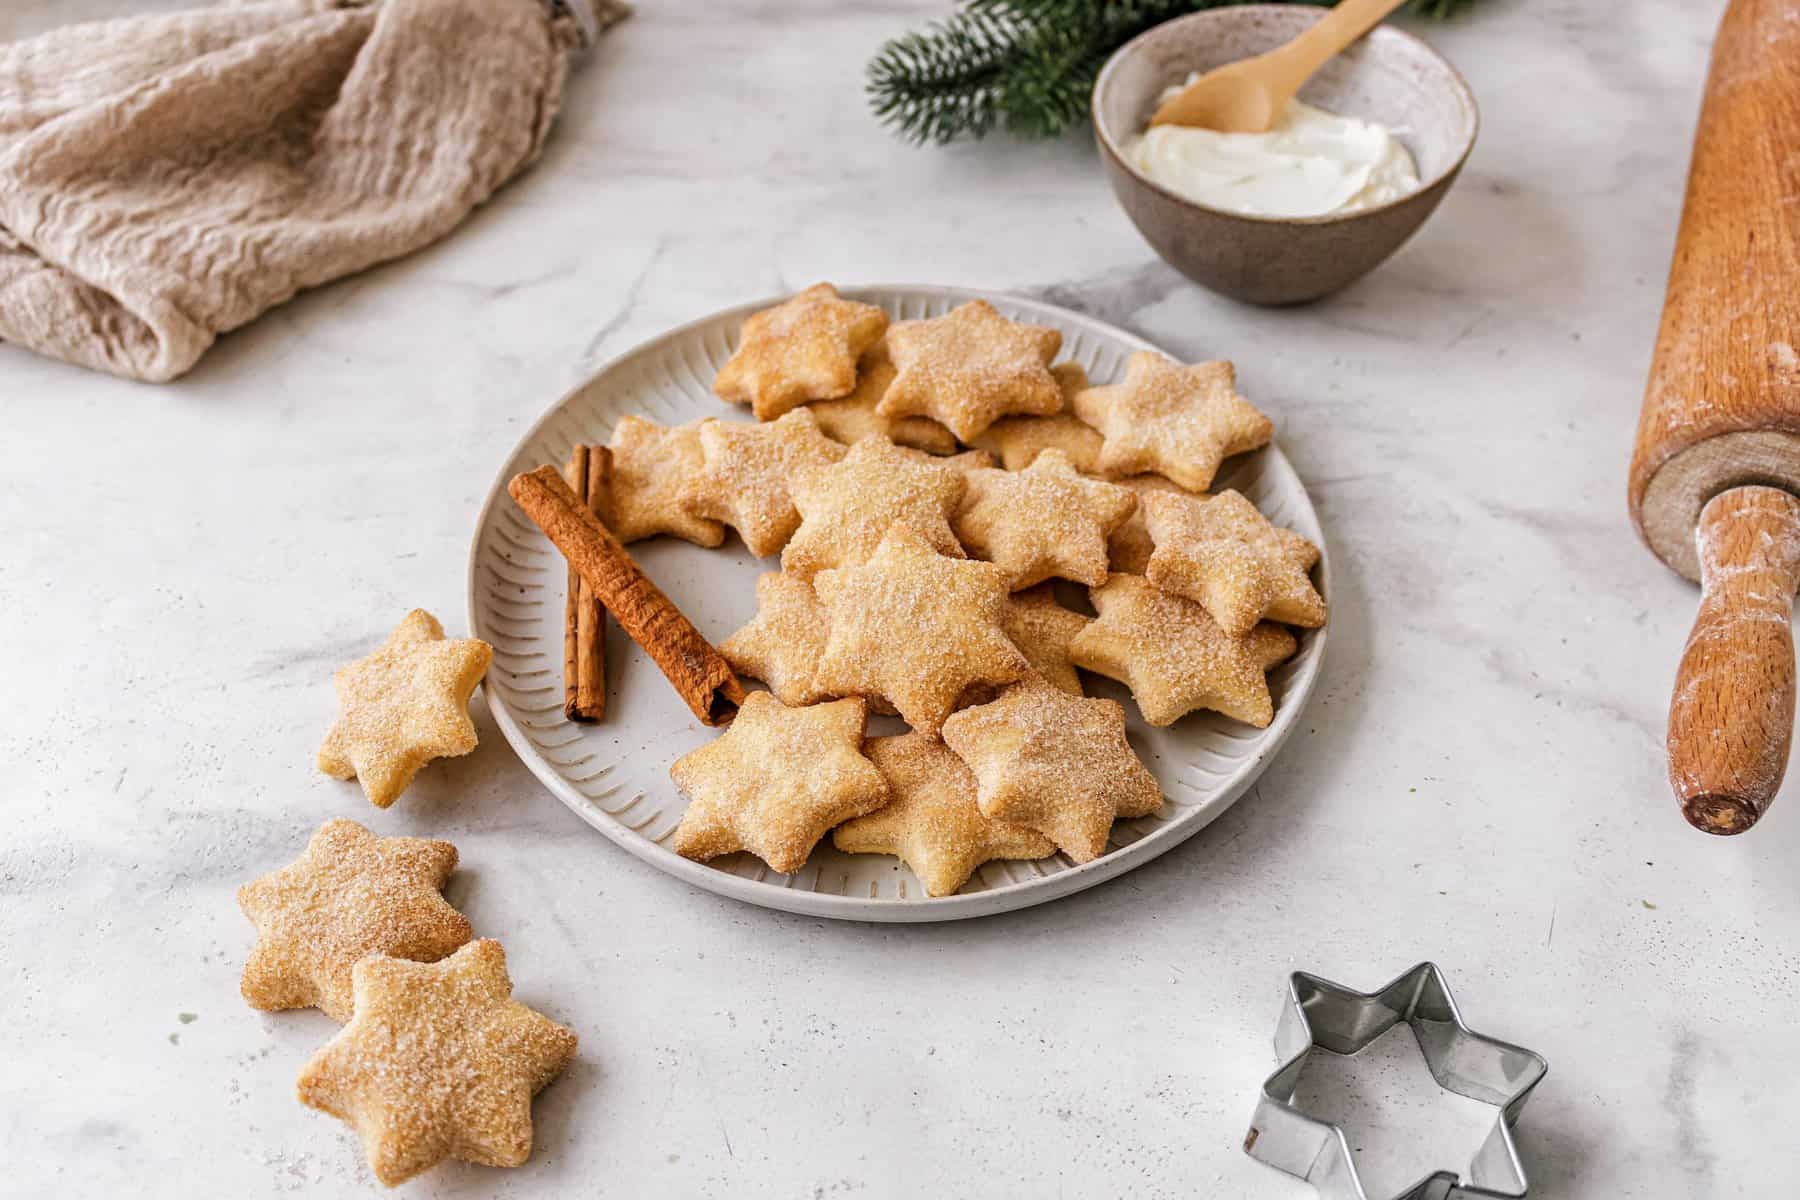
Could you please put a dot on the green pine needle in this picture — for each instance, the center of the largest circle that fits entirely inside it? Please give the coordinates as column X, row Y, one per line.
column 1027, row 66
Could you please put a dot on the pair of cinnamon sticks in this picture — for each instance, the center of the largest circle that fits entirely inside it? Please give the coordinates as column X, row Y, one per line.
column 603, row 578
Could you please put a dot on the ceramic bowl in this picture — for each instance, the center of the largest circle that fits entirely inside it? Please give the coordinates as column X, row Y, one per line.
column 1389, row 76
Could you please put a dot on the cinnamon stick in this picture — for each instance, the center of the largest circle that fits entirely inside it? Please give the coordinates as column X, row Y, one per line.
column 584, row 624
column 699, row 673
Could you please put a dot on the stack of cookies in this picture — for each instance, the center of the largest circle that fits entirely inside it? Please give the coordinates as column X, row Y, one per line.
column 927, row 484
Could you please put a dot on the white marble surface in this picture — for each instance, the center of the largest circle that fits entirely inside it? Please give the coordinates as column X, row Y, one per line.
column 1479, row 781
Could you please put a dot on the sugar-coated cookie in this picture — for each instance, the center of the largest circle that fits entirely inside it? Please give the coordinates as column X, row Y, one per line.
column 1045, row 521
column 851, row 418
column 1043, row 630
column 402, row 706
column 349, row 894
column 915, row 628
column 1129, row 548
column 1179, row 421
column 653, row 467
column 776, row 782
column 1225, row 556
column 969, row 368
column 438, row 1061
column 744, row 474
column 1175, row 658
column 783, row 643
column 933, row 824
column 847, row 507
column 799, row 351
column 1054, row 763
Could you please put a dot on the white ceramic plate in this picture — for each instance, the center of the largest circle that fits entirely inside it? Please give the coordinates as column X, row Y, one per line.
column 615, row 774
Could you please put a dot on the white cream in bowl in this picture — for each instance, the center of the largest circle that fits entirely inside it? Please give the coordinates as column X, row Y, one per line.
column 1311, row 164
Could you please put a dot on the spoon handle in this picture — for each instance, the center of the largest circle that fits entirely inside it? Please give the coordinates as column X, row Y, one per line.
column 1328, row 37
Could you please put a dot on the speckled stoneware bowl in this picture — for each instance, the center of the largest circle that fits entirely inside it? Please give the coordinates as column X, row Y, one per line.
column 1389, row 76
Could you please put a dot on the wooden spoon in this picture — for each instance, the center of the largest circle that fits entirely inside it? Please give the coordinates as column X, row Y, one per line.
column 1248, row 96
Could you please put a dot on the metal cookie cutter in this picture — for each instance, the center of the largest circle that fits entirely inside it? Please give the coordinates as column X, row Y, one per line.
column 1319, row 1013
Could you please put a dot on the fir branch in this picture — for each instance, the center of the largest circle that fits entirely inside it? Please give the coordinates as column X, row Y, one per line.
column 1027, row 66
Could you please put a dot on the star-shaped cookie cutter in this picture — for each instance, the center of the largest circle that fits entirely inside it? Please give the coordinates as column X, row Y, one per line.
column 1336, row 1018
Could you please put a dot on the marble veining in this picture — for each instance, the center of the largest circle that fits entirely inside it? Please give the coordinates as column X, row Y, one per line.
column 1478, row 780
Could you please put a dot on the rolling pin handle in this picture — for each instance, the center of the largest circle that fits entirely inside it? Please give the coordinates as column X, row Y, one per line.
column 1732, row 715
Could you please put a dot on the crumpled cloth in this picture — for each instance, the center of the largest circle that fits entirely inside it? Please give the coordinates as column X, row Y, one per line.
column 166, row 178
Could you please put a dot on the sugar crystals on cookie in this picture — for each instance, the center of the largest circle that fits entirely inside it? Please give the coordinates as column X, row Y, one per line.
column 783, row 643
column 653, row 468
column 744, row 474
column 1179, row 421
column 1175, row 658
column 933, row 824
column 802, row 350
column 1043, row 630
column 349, row 894
column 1054, row 763
column 402, row 706
column 1227, row 557
column 915, row 628
column 438, row 1061
column 776, row 782
column 851, row 418
column 847, row 507
column 970, row 367
column 1045, row 521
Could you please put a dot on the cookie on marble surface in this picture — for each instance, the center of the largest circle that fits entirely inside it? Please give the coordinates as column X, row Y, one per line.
column 652, row 468
column 1129, row 548
column 438, row 1061
column 802, row 350
column 349, row 894
column 847, row 507
column 915, row 628
column 776, row 782
column 1054, row 763
column 851, row 418
column 1173, row 420
column 1044, row 522
column 1225, row 556
column 402, row 706
column 1175, row 658
column 932, row 823
column 970, row 367
column 744, row 474
column 782, row 644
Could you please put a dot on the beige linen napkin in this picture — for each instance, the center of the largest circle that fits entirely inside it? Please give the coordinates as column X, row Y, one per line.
column 166, row 178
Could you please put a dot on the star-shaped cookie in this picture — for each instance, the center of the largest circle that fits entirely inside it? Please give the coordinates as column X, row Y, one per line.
column 1225, row 556
column 1175, row 658
column 799, row 351
column 438, row 1062
column 1178, row 421
column 1045, row 521
column 349, row 893
column 744, row 473
column 1019, row 440
column 969, row 368
column 653, row 466
column 783, row 643
column 915, row 628
column 851, row 418
column 847, row 507
column 932, row 824
column 1054, row 763
column 776, row 782
column 1043, row 629
column 1130, row 546
column 403, row 706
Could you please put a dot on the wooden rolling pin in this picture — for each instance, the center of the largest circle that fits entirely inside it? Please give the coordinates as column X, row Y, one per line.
column 1716, row 472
